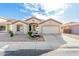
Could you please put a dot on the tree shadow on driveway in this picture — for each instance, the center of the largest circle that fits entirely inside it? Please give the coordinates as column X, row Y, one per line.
column 26, row 52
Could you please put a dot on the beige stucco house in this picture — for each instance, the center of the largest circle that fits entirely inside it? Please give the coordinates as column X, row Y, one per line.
column 71, row 27
column 49, row 26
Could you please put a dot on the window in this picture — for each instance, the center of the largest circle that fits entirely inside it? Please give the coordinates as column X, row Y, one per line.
column 2, row 28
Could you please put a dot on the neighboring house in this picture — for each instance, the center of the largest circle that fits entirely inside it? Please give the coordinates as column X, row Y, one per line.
column 71, row 27
column 49, row 26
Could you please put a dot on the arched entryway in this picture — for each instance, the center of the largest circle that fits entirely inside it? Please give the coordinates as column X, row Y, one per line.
column 33, row 26
column 19, row 27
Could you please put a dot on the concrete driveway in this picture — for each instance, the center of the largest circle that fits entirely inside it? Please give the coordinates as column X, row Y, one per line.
column 54, row 45
column 56, row 40
column 71, row 48
column 67, row 46
column 7, row 47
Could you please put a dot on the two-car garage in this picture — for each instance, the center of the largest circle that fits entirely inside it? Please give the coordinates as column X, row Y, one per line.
column 50, row 26
column 75, row 29
column 50, row 29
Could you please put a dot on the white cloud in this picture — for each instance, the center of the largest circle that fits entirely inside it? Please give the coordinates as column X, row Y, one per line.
column 23, row 10
column 32, row 6
column 48, row 7
column 58, row 7
column 40, row 16
column 52, row 6
column 55, row 7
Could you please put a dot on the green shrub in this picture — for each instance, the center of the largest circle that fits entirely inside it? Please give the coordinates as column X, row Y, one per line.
column 30, row 33
column 11, row 33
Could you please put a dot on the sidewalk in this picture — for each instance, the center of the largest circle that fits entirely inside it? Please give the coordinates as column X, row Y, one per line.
column 72, row 36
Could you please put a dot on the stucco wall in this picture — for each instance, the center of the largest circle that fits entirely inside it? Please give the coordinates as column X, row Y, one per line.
column 13, row 28
column 23, row 30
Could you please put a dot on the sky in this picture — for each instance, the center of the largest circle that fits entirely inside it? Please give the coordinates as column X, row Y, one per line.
column 63, row 12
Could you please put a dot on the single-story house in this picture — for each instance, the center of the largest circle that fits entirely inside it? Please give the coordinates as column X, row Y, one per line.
column 49, row 26
column 71, row 27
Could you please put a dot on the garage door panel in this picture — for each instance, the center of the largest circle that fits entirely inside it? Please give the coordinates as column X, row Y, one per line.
column 50, row 29
column 75, row 30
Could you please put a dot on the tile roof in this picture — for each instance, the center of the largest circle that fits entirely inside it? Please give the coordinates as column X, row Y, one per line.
column 52, row 20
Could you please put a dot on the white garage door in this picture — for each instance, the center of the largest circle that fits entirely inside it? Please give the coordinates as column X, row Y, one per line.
column 75, row 30
column 50, row 30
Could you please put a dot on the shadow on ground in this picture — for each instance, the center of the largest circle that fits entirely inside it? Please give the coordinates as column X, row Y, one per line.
column 28, row 52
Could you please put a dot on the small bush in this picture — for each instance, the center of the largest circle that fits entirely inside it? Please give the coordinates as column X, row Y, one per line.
column 11, row 33
column 30, row 33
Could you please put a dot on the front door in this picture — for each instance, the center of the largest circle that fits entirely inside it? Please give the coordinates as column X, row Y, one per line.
column 33, row 26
